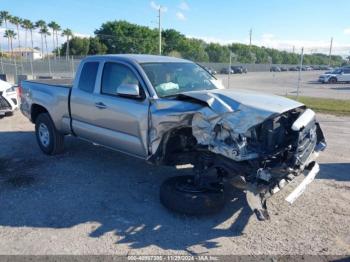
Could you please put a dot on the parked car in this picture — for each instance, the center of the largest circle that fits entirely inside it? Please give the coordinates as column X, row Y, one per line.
column 275, row 69
column 329, row 68
column 307, row 68
column 293, row 68
column 170, row 111
column 239, row 69
column 284, row 69
column 210, row 70
column 8, row 98
column 338, row 75
column 226, row 71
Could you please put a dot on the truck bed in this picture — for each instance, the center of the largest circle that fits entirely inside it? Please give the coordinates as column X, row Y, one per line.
column 64, row 82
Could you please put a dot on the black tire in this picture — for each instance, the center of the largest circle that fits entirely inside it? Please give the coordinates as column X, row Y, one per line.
column 190, row 203
column 55, row 144
column 333, row 80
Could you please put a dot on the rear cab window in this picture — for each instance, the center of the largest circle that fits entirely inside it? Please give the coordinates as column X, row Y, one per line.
column 88, row 76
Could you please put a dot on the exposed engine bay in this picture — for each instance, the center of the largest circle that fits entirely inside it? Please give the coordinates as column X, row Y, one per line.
column 257, row 150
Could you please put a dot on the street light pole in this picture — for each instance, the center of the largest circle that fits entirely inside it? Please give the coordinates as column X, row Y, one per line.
column 301, row 65
column 330, row 52
column 160, row 29
column 229, row 71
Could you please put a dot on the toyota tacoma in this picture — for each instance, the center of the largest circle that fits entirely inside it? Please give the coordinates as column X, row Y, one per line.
column 170, row 111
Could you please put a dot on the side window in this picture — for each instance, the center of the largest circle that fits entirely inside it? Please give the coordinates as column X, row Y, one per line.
column 346, row 71
column 115, row 75
column 88, row 77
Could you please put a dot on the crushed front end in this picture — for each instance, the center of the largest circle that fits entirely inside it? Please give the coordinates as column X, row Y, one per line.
column 267, row 156
column 255, row 142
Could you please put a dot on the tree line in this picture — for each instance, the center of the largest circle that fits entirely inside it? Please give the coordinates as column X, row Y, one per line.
column 118, row 37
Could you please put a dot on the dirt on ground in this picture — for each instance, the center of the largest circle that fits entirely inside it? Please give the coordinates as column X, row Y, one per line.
column 91, row 200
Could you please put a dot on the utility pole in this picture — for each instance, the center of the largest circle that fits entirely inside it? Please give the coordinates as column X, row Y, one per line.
column 250, row 37
column 300, row 68
column 160, row 29
column 330, row 52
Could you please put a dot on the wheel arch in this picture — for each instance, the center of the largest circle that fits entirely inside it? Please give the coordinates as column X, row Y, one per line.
column 36, row 110
column 174, row 144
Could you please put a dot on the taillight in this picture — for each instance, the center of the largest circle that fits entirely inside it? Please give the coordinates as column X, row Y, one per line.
column 19, row 92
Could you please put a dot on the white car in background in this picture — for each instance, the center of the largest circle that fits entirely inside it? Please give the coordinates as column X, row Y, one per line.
column 8, row 98
column 338, row 75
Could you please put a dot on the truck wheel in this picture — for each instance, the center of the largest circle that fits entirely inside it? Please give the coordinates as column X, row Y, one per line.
column 50, row 141
column 179, row 194
column 333, row 80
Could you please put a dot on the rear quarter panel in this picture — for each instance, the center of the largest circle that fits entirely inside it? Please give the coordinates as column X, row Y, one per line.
column 53, row 98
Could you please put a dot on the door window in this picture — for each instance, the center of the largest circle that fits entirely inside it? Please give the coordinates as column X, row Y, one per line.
column 115, row 75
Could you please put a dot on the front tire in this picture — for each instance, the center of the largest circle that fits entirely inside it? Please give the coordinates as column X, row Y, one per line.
column 190, row 201
column 50, row 141
column 333, row 80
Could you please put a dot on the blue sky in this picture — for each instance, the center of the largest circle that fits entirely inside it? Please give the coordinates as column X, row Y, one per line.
column 276, row 23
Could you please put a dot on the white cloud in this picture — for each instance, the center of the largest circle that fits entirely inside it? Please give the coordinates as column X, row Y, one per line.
column 209, row 39
column 180, row 16
column 184, row 6
column 156, row 6
column 347, row 31
column 80, row 35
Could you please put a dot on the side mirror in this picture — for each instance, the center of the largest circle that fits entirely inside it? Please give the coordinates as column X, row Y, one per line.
column 129, row 90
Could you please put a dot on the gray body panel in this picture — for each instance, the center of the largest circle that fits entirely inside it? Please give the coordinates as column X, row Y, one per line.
column 136, row 127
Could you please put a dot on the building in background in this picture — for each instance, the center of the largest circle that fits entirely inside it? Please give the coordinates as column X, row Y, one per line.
column 26, row 53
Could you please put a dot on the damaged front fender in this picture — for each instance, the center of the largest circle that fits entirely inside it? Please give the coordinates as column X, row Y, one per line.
column 220, row 119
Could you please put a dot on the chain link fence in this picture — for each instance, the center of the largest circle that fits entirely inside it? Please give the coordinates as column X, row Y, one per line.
column 16, row 69
column 61, row 67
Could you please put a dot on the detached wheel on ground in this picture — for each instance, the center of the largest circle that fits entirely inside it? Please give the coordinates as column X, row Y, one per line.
column 50, row 141
column 180, row 194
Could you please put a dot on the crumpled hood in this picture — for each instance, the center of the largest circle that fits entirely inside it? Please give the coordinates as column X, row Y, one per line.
column 231, row 100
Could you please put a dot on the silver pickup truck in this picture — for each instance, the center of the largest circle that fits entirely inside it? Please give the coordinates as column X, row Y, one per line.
column 171, row 111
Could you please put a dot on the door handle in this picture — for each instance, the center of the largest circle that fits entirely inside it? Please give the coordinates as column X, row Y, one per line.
column 100, row 105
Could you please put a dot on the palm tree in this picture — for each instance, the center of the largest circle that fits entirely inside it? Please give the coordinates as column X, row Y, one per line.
column 26, row 24
column 15, row 20
column 54, row 27
column 41, row 24
column 57, row 29
column 68, row 33
column 1, row 54
column 45, row 32
column 5, row 16
column 10, row 35
column 30, row 26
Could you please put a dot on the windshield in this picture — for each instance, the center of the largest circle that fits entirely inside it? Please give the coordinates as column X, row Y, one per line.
column 336, row 72
column 169, row 79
